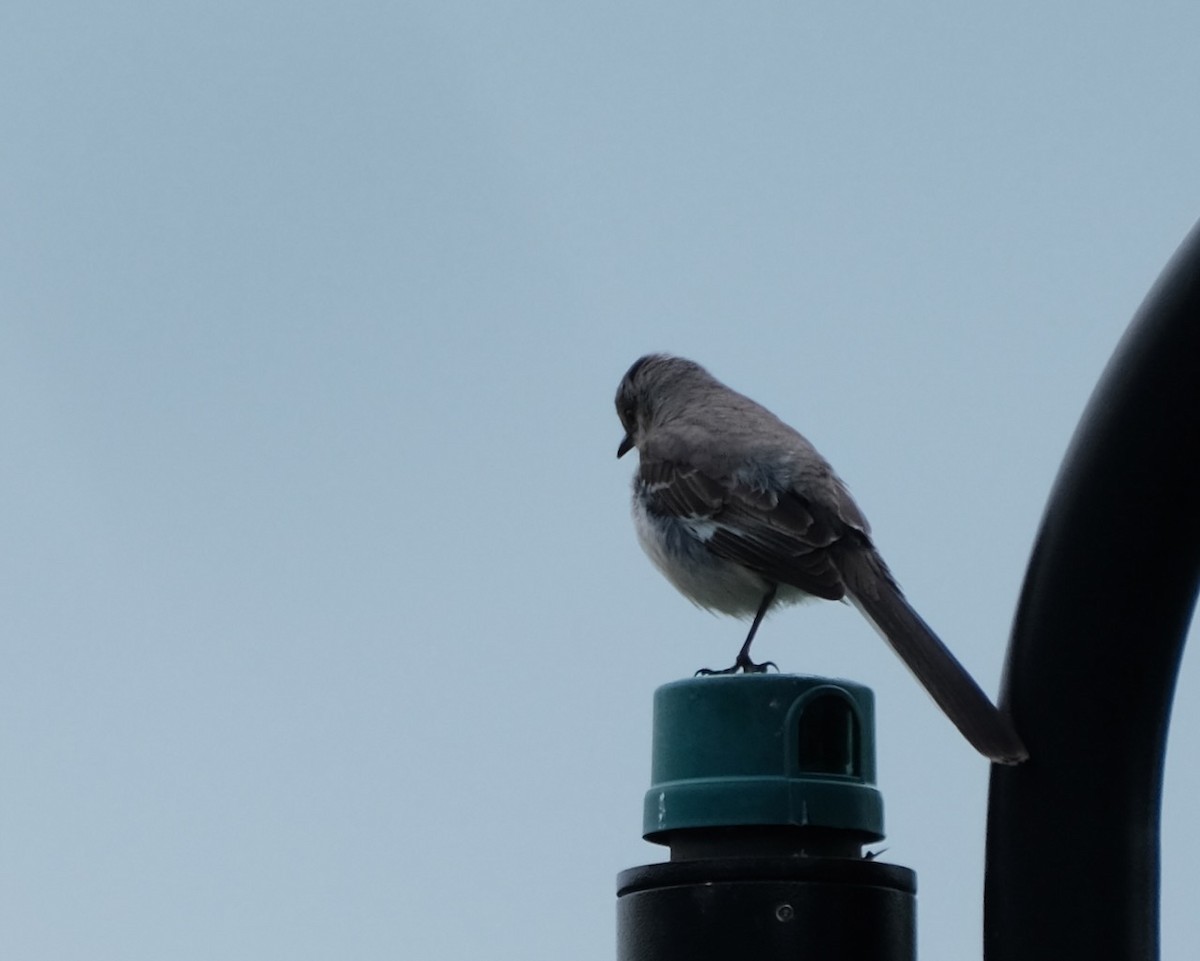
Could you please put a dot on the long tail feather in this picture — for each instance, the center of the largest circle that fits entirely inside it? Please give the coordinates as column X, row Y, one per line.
column 875, row 593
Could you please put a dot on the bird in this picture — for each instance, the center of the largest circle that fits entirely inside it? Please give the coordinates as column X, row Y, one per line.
column 743, row 515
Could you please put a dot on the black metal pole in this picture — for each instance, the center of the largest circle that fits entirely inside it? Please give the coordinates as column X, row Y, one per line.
column 1073, row 834
column 767, row 909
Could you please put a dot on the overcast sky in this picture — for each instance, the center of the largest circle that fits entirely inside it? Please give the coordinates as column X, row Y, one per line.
column 325, row 631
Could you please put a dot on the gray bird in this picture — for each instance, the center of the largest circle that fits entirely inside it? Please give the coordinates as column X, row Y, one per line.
column 742, row 514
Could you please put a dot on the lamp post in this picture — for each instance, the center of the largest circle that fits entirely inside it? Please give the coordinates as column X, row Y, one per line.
column 762, row 787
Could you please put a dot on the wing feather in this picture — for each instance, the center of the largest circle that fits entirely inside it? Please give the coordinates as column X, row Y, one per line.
column 782, row 536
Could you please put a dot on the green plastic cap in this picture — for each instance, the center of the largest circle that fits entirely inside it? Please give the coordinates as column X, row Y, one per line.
column 763, row 751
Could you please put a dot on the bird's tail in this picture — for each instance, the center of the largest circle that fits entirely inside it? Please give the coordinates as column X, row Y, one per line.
column 873, row 591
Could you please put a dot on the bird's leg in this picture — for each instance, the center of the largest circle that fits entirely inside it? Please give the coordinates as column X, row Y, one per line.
column 743, row 662
column 743, row 659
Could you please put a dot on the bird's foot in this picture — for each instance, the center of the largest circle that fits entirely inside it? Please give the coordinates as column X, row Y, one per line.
column 743, row 664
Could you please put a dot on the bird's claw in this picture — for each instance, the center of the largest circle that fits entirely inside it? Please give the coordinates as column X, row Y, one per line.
column 745, row 665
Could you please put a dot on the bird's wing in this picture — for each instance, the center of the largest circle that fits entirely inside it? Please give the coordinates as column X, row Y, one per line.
column 780, row 535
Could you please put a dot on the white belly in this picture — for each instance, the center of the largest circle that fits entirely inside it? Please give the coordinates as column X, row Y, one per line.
column 700, row 575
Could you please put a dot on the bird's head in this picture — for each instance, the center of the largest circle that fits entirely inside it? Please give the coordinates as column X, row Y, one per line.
column 640, row 391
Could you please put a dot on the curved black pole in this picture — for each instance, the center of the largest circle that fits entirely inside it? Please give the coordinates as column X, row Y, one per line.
column 1073, row 834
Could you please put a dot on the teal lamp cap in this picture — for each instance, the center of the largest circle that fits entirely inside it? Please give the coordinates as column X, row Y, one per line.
column 775, row 751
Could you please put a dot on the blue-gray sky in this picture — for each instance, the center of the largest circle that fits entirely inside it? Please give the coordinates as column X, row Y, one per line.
column 325, row 631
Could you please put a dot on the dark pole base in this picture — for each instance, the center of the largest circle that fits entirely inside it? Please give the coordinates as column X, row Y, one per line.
column 767, row 909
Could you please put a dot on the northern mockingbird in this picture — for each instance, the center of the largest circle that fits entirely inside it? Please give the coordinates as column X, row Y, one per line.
column 742, row 514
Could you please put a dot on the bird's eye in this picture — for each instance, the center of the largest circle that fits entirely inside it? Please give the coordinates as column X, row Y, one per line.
column 628, row 413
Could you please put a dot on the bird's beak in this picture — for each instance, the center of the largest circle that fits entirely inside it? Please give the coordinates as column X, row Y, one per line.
column 626, row 446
